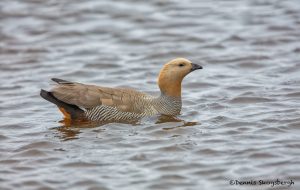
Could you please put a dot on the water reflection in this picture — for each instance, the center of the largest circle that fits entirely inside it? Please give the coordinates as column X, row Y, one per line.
column 66, row 133
column 70, row 130
column 183, row 123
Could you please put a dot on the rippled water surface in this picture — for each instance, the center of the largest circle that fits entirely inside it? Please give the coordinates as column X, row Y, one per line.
column 240, row 117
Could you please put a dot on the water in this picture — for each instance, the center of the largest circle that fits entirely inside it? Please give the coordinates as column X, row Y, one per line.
column 241, row 113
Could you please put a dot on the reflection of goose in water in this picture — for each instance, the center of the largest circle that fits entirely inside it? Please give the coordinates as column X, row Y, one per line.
column 71, row 130
column 94, row 103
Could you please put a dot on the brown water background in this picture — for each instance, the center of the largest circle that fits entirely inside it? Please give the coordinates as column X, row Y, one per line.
column 246, row 100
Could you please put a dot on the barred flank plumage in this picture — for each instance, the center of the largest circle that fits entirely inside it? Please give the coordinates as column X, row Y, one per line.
column 151, row 106
column 96, row 103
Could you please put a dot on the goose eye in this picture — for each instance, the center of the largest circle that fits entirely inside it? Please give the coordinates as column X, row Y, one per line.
column 181, row 65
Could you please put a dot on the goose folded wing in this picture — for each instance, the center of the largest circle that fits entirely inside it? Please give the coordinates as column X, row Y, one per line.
column 90, row 96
